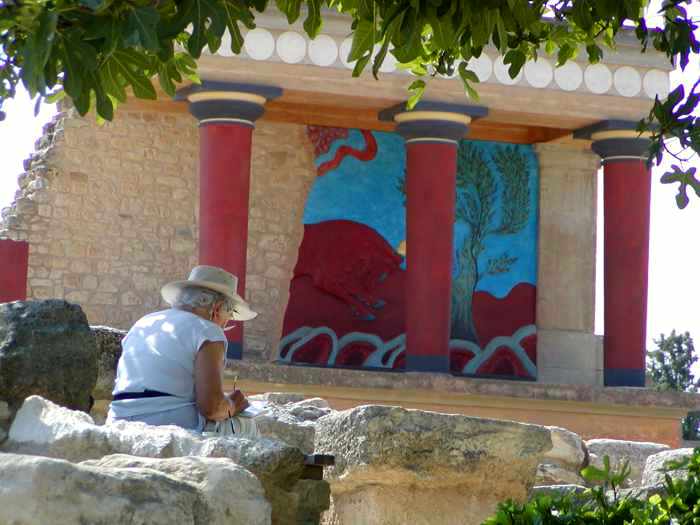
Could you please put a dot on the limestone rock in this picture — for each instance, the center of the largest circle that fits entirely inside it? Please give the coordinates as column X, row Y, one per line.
column 309, row 409
column 109, row 349
column 5, row 420
column 278, row 422
column 46, row 349
column 279, row 398
column 655, row 464
column 409, row 466
column 548, row 474
column 636, row 452
column 193, row 491
column 568, row 449
column 45, row 429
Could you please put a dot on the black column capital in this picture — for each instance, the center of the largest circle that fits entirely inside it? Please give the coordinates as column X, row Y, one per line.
column 615, row 140
column 227, row 102
column 436, row 122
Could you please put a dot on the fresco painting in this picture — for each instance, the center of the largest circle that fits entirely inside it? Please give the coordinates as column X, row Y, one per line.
column 347, row 294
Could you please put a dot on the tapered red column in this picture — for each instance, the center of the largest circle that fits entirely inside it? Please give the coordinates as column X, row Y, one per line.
column 226, row 114
column 626, row 194
column 432, row 131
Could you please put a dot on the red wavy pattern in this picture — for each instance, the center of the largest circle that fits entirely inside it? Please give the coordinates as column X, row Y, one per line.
column 343, row 151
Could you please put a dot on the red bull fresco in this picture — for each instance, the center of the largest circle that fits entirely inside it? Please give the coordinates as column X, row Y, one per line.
column 347, row 295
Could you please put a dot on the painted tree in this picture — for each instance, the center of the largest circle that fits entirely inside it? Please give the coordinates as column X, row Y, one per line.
column 478, row 207
column 94, row 51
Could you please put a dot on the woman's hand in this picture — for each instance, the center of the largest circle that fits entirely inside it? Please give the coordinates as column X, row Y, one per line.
column 239, row 401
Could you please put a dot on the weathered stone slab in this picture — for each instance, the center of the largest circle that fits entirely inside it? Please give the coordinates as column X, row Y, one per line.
column 568, row 449
column 636, row 452
column 396, row 466
column 46, row 349
column 548, row 474
column 43, row 428
column 109, row 350
column 656, row 466
column 197, row 491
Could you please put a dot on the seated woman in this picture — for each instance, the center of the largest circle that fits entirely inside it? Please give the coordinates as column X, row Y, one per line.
column 171, row 368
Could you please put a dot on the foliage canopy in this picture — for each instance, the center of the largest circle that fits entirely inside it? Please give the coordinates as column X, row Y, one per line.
column 606, row 504
column 95, row 50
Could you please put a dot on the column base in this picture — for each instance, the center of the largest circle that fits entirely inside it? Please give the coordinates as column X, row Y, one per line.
column 234, row 350
column 427, row 363
column 625, row 377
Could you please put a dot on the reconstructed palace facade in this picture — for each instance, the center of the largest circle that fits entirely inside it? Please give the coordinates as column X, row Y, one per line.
column 440, row 257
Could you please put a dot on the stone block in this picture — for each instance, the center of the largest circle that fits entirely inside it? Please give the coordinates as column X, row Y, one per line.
column 396, row 466
column 635, row 452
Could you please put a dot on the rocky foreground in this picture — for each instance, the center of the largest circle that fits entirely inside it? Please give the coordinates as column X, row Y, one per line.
column 392, row 465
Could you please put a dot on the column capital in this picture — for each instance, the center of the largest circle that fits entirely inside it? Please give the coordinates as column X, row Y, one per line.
column 214, row 102
column 432, row 122
column 616, row 140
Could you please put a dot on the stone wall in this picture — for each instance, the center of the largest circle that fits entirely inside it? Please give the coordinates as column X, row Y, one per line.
column 110, row 213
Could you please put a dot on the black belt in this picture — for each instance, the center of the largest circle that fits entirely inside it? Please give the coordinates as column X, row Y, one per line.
column 139, row 395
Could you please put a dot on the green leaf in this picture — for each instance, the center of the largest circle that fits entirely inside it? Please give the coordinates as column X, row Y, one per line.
column 417, row 87
column 312, row 24
column 143, row 22
column 360, row 65
column 37, row 50
column 291, row 8
column 91, row 4
column 444, row 35
column 591, row 473
column 362, row 40
column 129, row 66
column 516, row 59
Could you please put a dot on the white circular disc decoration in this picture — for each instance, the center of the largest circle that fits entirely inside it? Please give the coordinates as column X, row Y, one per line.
column 291, row 47
column 627, row 81
column 259, row 44
column 501, row 71
column 345, row 48
column 656, row 82
column 323, row 50
column 598, row 78
column 539, row 73
column 569, row 76
column 482, row 66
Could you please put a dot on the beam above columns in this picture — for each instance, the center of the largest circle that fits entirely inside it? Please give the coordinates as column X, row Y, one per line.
column 432, row 131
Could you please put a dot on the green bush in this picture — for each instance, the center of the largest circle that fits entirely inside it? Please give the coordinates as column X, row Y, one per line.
column 607, row 504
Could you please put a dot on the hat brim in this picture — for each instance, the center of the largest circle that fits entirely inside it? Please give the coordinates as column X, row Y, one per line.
column 243, row 311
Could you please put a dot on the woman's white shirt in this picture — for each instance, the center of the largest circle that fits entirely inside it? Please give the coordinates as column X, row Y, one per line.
column 159, row 353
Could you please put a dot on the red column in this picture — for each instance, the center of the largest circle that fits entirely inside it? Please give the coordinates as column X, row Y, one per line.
column 430, row 207
column 227, row 113
column 432, row 131
column 627, row 189
column 224, row 171
column 14, row 258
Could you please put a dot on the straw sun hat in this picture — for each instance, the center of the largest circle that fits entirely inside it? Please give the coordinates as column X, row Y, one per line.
column 211, row 278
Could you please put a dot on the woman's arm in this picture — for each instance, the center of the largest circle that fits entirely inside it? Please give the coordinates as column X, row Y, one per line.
column 212, row 403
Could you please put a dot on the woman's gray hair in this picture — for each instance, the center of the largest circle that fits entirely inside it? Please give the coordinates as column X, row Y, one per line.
column 195, row 297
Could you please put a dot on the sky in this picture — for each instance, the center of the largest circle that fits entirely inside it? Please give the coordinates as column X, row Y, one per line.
column 674, row 253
